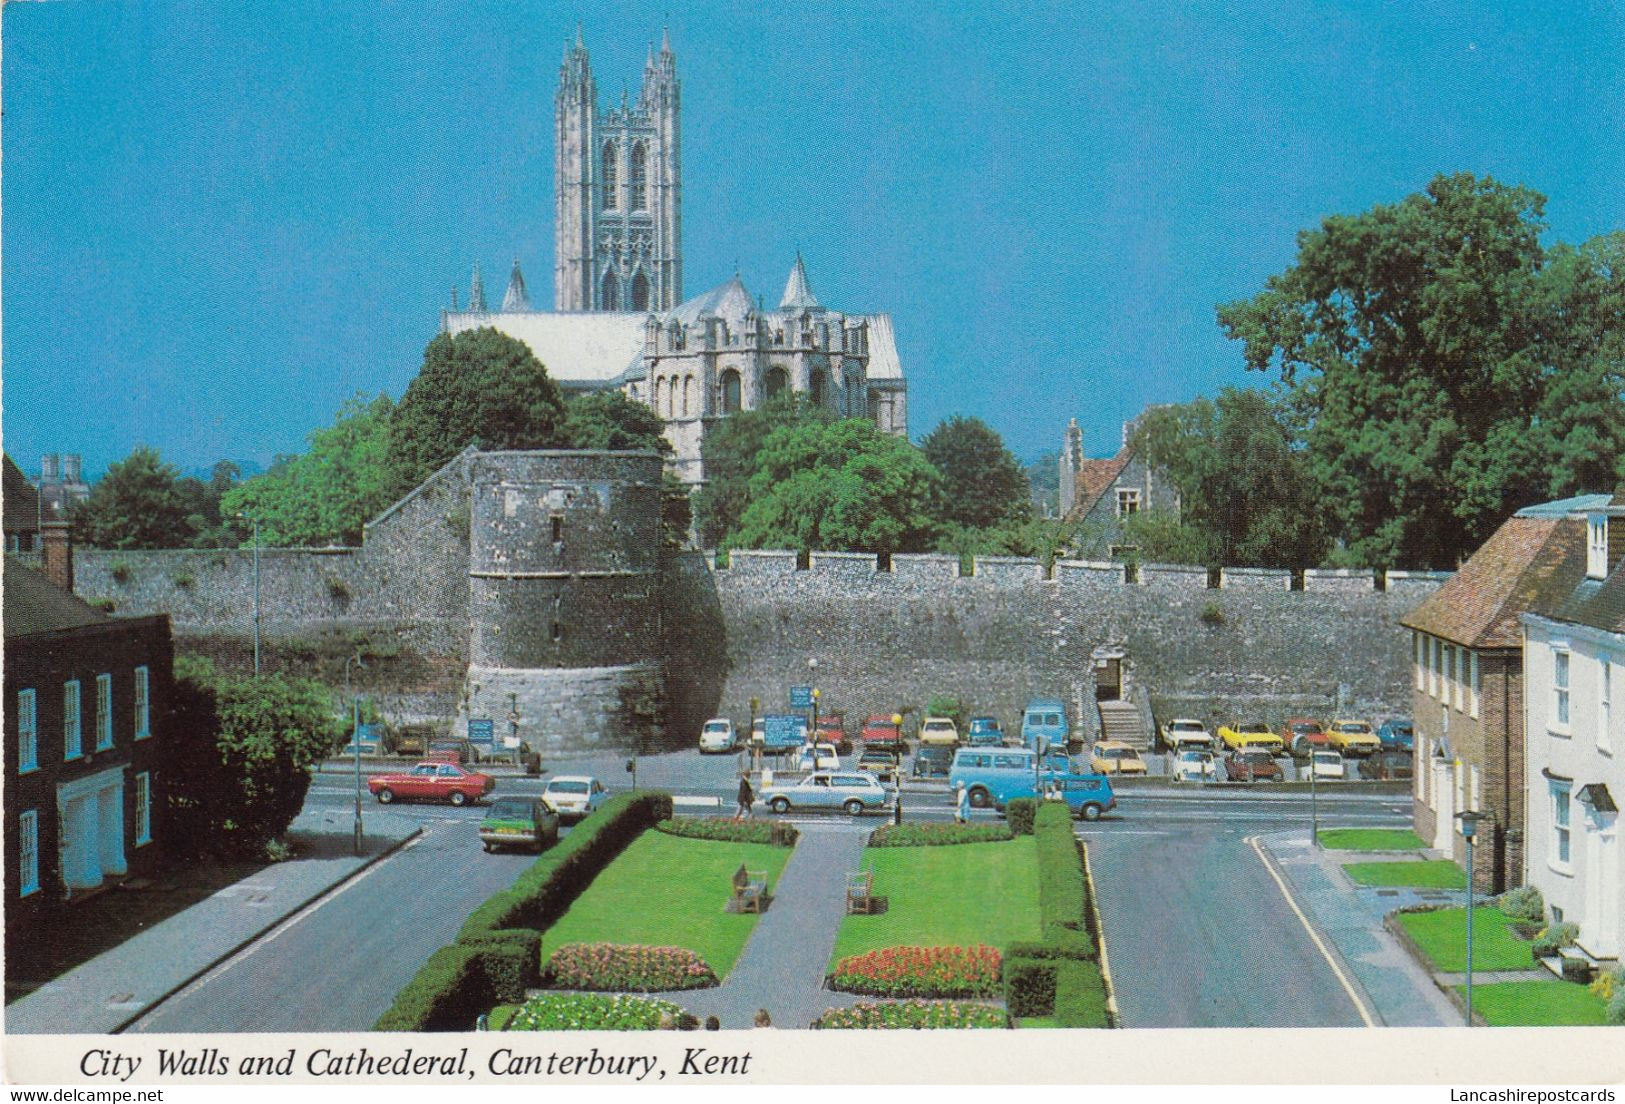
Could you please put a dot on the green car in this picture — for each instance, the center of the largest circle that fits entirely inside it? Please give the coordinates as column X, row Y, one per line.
column 519, row 822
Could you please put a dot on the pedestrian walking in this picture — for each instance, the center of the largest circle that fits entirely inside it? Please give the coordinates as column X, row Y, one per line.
column 747, row 798
column 763, row 1019
column 961, row 804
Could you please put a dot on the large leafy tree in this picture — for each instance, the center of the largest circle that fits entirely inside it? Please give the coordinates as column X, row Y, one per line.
column 982, row 483
column 326, row 495
column 1244, row 496
column 1441, row 373
column 840, row 486
column 478, row 387
column 610, row 420
column 729, row 452
column 139, row 503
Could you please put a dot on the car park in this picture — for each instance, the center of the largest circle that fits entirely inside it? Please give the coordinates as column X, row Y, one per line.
column 818, row 757
column 1328, row 764
column 1353, row 737
column 880, row 763
column 1301, row 735
column 1086, row 795
column 1396, row 734
column 932, row 762
column 1044, row 719
column 1387, row 766
column 574, row 796
column 984, row 732
column 881, row 731
column 1251, row 765
column 431, row 781
column 851, row 792
column 464, row 751
column 1249, row 734
column 515, row 821
column 1184, row 732
column 717, row 735
column 939, row 731
column 1116, row 757
column 1195, row 765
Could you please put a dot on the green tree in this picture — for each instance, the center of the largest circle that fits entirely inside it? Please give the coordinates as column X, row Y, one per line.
column 479, row 387
column 242, row 751
column 139, row 503
column 1244, row 497
column 982, row 483
column 610, row 420
column 326, row 495
column 729, row 452
column 1044, row 477
column 1437, row 366
column 839, row 486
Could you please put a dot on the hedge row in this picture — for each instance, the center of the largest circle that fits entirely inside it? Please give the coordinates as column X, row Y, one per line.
column 773, row 832
column 937, row 835
column 497, row 954
column 1057, row 976
column 1019, row 813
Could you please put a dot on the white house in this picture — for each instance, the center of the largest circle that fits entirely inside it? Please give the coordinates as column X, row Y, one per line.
column 1574, row 702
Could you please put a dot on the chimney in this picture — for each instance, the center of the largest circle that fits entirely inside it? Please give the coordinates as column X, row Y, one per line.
column 57, row 558
column 1616, row 528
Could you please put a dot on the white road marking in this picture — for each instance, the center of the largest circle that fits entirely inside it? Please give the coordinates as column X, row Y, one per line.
column 1325, row 952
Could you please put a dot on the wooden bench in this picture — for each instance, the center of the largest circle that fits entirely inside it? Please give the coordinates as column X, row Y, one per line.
column 860, row 896
column 749, row 890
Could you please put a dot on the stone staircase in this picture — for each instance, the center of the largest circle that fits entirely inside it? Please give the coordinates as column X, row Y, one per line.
column 1124, row 720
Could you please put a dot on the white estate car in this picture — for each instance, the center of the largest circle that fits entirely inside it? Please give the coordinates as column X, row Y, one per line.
column 1195, row 765
column 717, row 735
column 851, row 792
column 574, row 796
column 1184, row 732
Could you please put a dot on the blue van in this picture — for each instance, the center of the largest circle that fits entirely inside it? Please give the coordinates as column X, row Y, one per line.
column 1086, row 795
column 994, row 775
column 1044, row 717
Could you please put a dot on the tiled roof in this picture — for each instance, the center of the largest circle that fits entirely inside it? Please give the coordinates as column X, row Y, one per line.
column 1563, row 507
column 35, row 605
column 1528, row 563
column 1095, row 477
column 21, row 499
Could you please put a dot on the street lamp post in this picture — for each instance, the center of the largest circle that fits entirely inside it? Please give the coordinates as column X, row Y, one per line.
column 1469, row 828
column 1314, row 801
column 355, row 739
column 256, row 523
column 812, row 711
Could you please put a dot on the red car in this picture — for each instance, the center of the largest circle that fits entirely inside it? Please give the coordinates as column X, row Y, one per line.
column 1301, row 735
column 435, row 781
column 1251, row 765
column 880, row 731
column 832, row 730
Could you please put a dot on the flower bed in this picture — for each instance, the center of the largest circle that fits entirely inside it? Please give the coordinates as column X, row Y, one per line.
column 732, row 831
column 622, row 967
column 591, row 1012
column 914, row 1014
column 920, row 972
column 936, row 835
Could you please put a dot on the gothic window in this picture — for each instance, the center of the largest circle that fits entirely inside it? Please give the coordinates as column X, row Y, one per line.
column 612, row 292
column 874, row 406
column 817, row 386
column 688, row 393
column 639, row 172
column 730, row 391
column 774, row 382
column 640, row 292
column 612, row 182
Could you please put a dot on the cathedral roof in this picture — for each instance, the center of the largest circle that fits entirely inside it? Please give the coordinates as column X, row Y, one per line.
column 516, row 298
column 581, row 349
column 797, row 291
column 729, row 302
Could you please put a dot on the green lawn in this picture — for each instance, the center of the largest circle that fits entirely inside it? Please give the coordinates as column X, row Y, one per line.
column 1442, row 935
column 941, row 896
column 1370, row 839
column 669, row 891
column 1424, row 874
column 1536, row 1003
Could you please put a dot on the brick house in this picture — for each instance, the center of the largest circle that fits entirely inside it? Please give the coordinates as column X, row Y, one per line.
column 1574, row 659
column 86, row 695
column 1467, row 693
column 1098, row 495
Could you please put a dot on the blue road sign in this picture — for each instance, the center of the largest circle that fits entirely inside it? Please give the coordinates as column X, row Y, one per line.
column 801, row 697
column 784, row 730
column 481, row 730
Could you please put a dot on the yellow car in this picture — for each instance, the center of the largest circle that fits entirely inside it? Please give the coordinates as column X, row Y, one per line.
column 939, row 730
column 1249, row 734
column 1116, row 757
column 1353, row 737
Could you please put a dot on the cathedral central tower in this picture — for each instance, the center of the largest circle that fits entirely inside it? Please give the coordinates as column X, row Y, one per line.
column 618, row 180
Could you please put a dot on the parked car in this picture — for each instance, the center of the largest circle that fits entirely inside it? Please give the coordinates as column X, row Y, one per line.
column 1195, row 765
column 932, row 762
column 368, row 748
column 940, row 731
column 984, row 732
column 1249, row 734
column 881, row 763
column 1353, row 737
column 852, row 792
column 1251, row 765
column 413, row 740
column 818, row 757
column 1301, row 735
column 1045, row 717
column 1328, row 764
column 1387, row 766
column 1116, row 757
column 1087, row 795
column 832, row 730
column 431, row 781
column 574, row 796
column 717, row 735
column 1184, row 732
column 519, row 822
column 463, row 751
column 1396, row 734
column 882, row 732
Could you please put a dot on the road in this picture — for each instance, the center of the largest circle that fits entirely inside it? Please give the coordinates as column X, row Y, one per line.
column 1199, row 935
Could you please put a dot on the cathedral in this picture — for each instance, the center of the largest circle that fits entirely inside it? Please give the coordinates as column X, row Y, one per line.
column 619, row 319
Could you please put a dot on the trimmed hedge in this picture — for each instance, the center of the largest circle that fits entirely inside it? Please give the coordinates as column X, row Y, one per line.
column 1029, row 986
column 448, row 994
column 1062, row 890
column 510, row 959
column 1073, row 944
column 937, row 835
column 1080, row 995
column 1019, row 815
column 772, row 832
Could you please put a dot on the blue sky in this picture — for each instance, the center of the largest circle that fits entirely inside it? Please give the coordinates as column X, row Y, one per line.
column 221, row 220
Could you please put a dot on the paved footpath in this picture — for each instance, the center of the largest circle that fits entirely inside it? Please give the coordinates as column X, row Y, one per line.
column 105, row 994
column 1398, row 992
column 783, row 963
